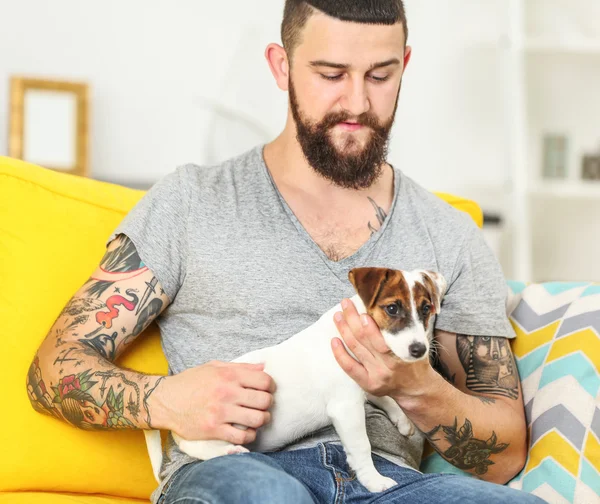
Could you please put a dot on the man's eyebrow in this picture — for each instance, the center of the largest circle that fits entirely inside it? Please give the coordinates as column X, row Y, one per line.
column 320, row 63
column 345, row 66
column 393, row 61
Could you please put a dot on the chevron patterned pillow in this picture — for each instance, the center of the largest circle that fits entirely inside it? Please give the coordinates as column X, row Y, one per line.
column 558, row 356
column 557, row 350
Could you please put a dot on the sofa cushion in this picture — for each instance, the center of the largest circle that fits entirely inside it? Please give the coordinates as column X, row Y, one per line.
column 557, row 350
column 53, row 229
column 63, row 498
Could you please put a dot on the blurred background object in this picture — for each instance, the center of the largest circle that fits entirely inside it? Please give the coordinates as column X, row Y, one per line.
column 49, row 124
column 489, row 81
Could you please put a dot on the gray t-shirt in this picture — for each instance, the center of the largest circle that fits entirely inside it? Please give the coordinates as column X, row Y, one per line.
column 243, row 274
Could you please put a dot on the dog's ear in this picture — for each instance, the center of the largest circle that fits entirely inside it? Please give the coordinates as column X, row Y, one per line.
column 368, row 283
column 436, row 284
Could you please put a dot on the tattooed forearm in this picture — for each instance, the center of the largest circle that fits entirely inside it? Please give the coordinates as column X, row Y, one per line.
column 465, row 451
column 379, row 214
column 93, row 400
column 489, row 364
column 73, row 376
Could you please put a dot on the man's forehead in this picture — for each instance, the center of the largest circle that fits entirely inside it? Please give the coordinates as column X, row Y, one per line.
column 325, row 38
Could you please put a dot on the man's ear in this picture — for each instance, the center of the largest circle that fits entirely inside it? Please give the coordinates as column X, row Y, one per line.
column 368, row 283
column 436, row 284
column 279, row 64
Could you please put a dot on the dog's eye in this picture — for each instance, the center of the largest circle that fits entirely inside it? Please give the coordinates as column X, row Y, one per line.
column 392, row 309
column 426, row 309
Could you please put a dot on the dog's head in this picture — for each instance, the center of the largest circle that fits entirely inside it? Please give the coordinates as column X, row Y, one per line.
column 403, row 304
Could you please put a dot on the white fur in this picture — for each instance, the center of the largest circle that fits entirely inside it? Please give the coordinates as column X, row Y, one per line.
column 313, row 392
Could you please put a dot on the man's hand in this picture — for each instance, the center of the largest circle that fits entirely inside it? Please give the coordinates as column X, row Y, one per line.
column 378, row 370
column 203, row 402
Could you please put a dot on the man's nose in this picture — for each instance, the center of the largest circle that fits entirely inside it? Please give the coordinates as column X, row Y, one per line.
column 356, row 99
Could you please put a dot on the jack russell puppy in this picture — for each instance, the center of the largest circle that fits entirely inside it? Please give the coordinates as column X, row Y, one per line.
column 312, row 389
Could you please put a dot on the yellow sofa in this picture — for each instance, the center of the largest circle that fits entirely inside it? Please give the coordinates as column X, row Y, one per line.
column 53, row 229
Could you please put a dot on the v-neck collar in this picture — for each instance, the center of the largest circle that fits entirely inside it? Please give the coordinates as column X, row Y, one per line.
column 356, row 259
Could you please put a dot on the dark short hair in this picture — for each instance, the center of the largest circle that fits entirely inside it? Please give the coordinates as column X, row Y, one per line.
column 297, row 12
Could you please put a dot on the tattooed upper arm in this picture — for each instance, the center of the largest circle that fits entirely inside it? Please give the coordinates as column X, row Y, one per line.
column 478, row 365
column 121, row 298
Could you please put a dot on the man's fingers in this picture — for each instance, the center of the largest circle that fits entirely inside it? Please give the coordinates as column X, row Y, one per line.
column 367, row 333
column 241, row 365
column 356, row 347
column 236, row 435
column 254, row 367
column 356, row 323
column 247, row 417
column 255, row 399
column 376, row 339
column 354, row 369
column 351, row 315
column 258, row 380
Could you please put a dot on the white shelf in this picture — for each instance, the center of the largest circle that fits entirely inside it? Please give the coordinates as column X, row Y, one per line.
column 567, row 189
column 521, row 48
column 575, row 46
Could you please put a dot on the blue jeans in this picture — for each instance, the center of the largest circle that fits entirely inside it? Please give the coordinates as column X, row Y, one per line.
column 321, row 475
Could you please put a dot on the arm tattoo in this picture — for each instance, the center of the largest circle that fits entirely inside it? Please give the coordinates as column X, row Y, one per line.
column 38, row 393
column 94, row 394
column 116, row 264
column 146, row 396
column 466, row 452
column 489, row 365
column 71, row 398
column 380, row 214
column 123, row 258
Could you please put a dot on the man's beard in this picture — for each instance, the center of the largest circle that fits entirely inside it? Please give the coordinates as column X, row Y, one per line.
column 348, row 170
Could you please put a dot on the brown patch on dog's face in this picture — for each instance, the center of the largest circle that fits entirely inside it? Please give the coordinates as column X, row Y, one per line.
column 424, row 303
column 437, row 286
column 368, row 282
column 386, row 296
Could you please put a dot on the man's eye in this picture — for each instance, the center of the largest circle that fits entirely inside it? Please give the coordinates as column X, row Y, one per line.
column 331, row 77
column 377, row 78
column 392, row 309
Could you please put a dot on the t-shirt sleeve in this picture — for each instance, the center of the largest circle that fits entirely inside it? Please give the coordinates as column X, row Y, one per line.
column 157, row 226
column 475, row 300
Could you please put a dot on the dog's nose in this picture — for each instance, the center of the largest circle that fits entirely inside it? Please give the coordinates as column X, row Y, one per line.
column 417, row 350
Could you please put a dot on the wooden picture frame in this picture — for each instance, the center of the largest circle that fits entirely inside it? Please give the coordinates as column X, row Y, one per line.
column 49, row 124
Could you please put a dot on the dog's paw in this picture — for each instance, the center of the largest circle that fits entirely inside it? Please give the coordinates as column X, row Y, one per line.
column 206, row 450
column 406, row 428
column 236, row 449
column 377, row 482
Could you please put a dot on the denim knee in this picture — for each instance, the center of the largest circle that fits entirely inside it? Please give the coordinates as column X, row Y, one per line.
column 250, row 478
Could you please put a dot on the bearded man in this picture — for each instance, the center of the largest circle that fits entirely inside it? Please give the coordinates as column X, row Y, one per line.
column 240, row 256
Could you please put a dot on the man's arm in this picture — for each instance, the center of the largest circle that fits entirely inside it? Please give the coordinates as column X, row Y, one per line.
column 478, row 423
column 73, row 376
